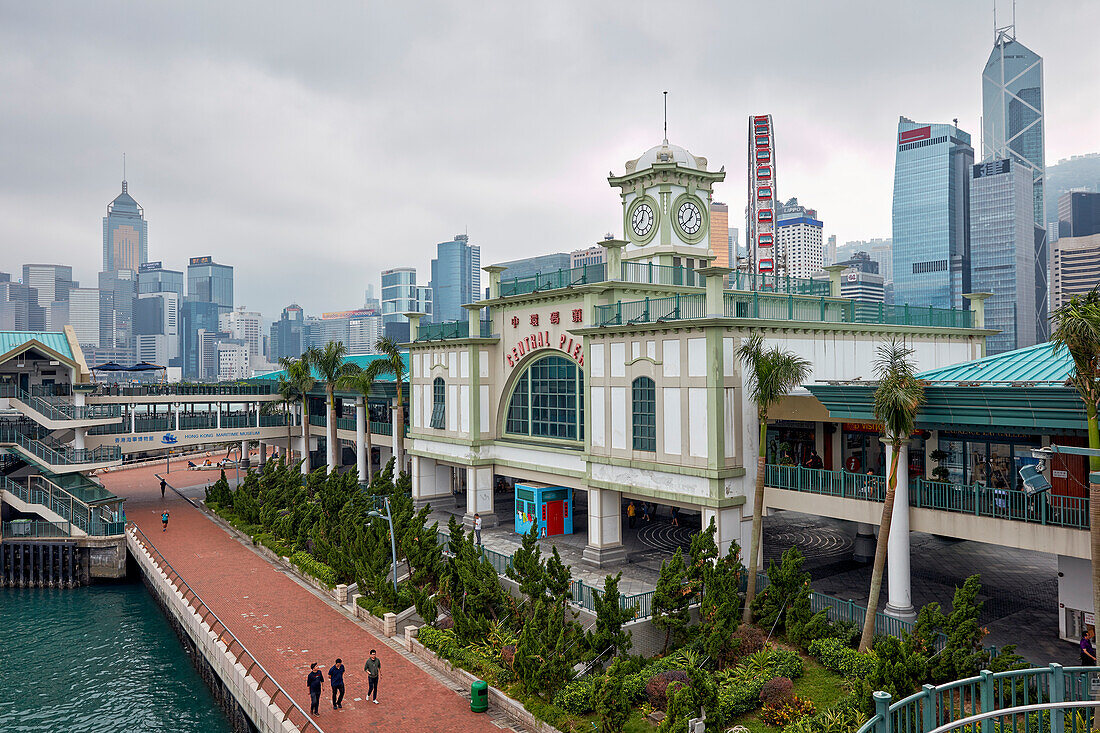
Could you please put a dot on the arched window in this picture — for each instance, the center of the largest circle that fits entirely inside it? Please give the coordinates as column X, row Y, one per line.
column 439, row 403
column 644, row 411
column 548, row 401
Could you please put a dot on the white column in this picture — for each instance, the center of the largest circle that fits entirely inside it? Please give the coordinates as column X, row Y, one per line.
column 78, row 438
column 426, row 489
column 176, row 410
column 305, row 437
column 133, row 418
column 263, row 453
column 479, row 496
column 732, row 525
column 897, row 549
column 258, row 414
column 361, row 456
column 245, row 461
column 605, row 528
column 218, row 407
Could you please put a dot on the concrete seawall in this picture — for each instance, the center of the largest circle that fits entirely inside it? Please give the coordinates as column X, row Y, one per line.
column 248, row 707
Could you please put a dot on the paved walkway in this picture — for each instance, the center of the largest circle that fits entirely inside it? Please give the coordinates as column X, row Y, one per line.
column 283, row 624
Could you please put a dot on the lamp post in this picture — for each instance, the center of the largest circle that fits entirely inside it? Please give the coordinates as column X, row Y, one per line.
column 393, row 542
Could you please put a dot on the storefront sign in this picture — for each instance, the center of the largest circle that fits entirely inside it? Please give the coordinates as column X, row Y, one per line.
column 861, row 427
column 546, row 340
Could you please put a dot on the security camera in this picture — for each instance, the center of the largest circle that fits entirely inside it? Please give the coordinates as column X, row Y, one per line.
column 1043, row 454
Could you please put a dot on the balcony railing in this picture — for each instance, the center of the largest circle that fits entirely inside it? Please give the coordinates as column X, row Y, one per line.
column 983, row 501
column 274, row 420
column 34, row 529
column 452, row 330
column 238, row 420
column 652, row 310
column 553, row 280
column 198, row 420
column 94, row 519
column 348, row 423
column 58, row 408
column 989, row 692
column 649, row 273
column 185, row 389
column 58, row 454
column 776, row 283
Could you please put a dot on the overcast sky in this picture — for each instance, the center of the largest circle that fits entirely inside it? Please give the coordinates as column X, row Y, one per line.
column 311, row 145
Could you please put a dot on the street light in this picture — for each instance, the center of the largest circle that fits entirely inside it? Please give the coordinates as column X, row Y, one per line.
column 393, row 542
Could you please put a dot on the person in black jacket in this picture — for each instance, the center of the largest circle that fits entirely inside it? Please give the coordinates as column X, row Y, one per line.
column 314, row 682
column 336, row 679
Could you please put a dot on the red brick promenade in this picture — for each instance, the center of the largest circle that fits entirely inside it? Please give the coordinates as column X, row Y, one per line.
column 284, row 625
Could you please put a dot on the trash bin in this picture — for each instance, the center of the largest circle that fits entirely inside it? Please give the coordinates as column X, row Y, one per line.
column 479, row 696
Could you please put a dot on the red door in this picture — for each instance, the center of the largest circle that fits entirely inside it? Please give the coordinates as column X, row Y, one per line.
column 555, row 512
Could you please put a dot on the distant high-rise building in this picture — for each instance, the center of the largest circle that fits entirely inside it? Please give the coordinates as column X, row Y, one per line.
column 19, row 309
column 401, row 294
column 117, row 292
column 84, row 315
column 125, row 234
column 1078, row 214
column 594, row 255
column 52, row 282
column 1002, row 254
column 719, row 234
column 152, row 277
column 857, row 282
column 156, row 327
column 931, row 214
column 209, row 281
column 799, row 236
column 456, row 278
column 286, row 334
column 246, row 326
column 734, row 246
column 881, row 250
column 829, row 257
column 198, row 317
column 359, row 330
column 1076, row 173
column 1075, row 267
column 234, row 359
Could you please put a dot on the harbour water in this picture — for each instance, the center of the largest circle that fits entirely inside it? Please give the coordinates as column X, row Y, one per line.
column 96, row 659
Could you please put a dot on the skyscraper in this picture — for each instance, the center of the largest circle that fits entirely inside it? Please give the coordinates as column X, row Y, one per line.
column 401, row 294
column 152, row 277
column 1012, row 128
column 125, row 234
column 156, row 327
column 117, row 291
column 286, row 333
column 52, row 282
column 931, row 214
column 719, row 234
column 199, row 326
column 1078, row 214
column 84, row 315
column 208, row 281
column 799, row 235
column 1002, row 250
column 456, row 278
column 246, row 326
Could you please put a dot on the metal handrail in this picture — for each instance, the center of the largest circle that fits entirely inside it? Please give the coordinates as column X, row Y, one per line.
column 1018, row 710
column 67, row 410
column 207, row 614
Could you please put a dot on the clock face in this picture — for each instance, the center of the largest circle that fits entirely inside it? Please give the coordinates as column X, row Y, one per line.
column 641, row 221
column 689, row 217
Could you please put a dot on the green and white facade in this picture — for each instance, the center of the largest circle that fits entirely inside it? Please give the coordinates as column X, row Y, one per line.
column 621, row 380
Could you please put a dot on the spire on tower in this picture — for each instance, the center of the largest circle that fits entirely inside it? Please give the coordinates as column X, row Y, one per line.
column 124, row 172
column 666, row 117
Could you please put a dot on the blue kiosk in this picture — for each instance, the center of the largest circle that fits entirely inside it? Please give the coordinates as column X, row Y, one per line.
column 550, row 507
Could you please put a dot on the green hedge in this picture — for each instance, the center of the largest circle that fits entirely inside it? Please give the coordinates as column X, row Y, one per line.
column 838, row 657
column 578, row 697
column 310, row 565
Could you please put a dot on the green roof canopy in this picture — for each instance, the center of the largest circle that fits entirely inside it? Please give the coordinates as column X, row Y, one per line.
column 54, row 340
column 1045, row 362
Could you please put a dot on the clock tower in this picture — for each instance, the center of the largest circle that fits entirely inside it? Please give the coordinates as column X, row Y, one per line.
column 666, row 195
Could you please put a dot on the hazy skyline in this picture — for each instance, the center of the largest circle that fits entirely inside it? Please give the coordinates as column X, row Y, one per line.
column 312, row 150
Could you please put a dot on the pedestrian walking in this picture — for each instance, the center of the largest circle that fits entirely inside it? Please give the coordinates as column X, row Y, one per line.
column 675, row 516
column 373, row 668
column 1088, row 649
column 631, row 512
column 164, row 521
column 477, row 527
column 163, row 486
column 336, row 679
column 314, row 681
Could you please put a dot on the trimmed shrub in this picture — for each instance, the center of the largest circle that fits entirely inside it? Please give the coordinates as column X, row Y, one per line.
column 789, row 711
column 578, row 697
column 310, row 565
column 776, row 690
column 837, row 657
column 785, row 663
column 660, row 686
column 746, row 640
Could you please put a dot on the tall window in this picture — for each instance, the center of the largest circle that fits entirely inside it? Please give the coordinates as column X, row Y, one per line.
column 644, row 404
column 548, row 401
column 439, row 402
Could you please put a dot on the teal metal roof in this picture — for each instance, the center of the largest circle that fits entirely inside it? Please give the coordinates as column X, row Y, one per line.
column 1040, row 363
column 360, row 360
column 50, row 339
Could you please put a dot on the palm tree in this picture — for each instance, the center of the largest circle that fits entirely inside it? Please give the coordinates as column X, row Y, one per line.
column 330, row 366
column 775, row 373
column 300, row 376
column 361, row 381
column 392, row 363
column 1077, row 329
column 288, row 396
column 898, row 398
